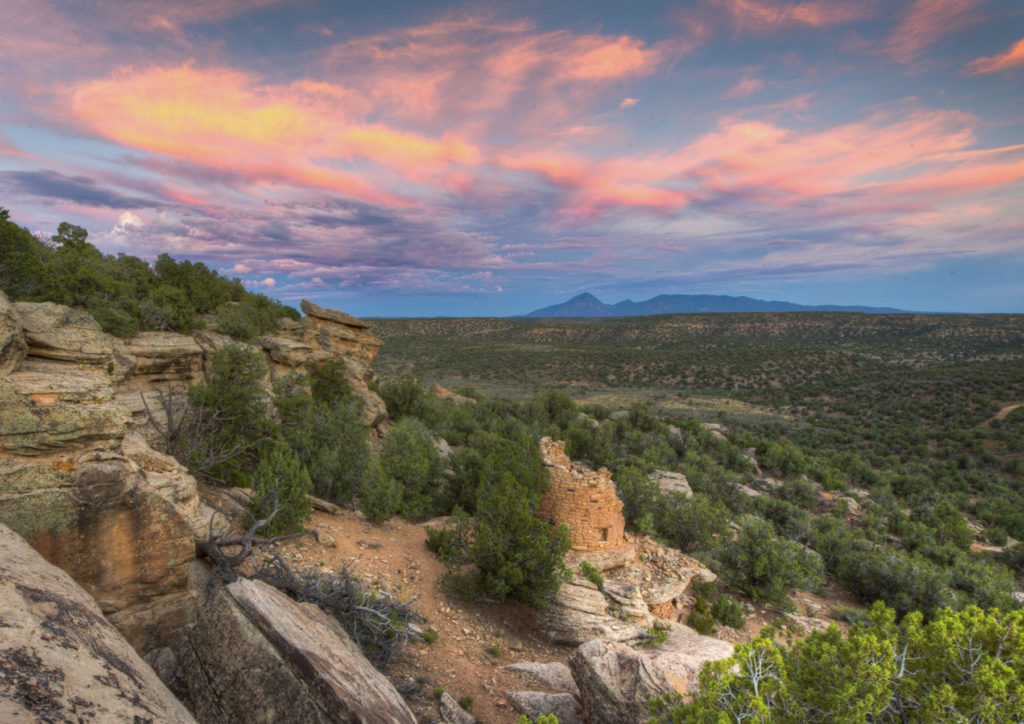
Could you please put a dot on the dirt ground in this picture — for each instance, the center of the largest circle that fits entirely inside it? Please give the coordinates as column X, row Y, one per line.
column 475, row 640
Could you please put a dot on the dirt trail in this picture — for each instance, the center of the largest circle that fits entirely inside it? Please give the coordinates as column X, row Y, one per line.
column 394, row 556
column 1003, row 413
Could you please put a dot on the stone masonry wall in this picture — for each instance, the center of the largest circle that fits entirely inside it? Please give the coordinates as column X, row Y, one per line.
column 582, row 498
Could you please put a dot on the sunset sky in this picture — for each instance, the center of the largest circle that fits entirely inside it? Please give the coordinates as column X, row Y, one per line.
column 418, row 159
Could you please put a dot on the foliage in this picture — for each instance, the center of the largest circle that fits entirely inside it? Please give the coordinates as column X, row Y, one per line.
column 588, row 571
column 701, row 618
column 380, row 495
column 728, row 611
column 124, row 293
column 768, row 568
column 402, row 395
column 326, row 428
column 280, row 483
column 960, row 666
column 236, row 401
column 408, row 455
column 516, row 553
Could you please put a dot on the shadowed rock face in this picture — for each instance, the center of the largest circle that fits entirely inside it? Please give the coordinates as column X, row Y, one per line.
column 277, row 661
column 60, row 660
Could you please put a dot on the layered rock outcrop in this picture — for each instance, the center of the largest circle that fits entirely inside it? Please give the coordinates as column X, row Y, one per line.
column 78, row 477
column 60, row 660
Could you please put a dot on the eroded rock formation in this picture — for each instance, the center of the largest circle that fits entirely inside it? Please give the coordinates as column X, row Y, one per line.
column 60, row 660
column 78, row 477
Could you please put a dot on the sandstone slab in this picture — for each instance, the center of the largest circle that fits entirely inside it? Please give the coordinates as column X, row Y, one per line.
column 254, row 655
column 58, row 332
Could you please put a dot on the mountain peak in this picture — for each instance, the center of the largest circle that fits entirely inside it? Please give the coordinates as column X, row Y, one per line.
column 587, row 305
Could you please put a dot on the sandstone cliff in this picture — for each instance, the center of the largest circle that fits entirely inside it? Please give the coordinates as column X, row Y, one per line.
column 78, row 478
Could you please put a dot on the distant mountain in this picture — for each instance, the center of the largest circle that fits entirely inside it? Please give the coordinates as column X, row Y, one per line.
column 587, row 305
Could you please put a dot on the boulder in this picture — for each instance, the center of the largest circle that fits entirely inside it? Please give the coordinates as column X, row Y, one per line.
column 60, row 660
column 615, row 682
column 682, row 656
column 62, row 333
column 252, row 654
column 627, row 601
column 12, row 342
column 286, row 351
column 554, row 675
column 452, row 713
column 579, row 612
column 537, row 704
column 670, row 482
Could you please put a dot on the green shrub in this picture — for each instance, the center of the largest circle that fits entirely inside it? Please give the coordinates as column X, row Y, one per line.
column 409, row 456
column 381, row 495
column 727, row 611
column 591, row 574
column 766, row 567
column 700, row 618
column 280, row 481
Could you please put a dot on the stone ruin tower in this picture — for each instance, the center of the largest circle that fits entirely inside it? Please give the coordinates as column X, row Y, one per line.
column 584, row 499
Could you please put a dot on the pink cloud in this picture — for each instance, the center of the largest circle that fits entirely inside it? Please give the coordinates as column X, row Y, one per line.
column 1012, row 58
column 746, row 86
column 926, row 22
column 628, row 103
column 763, row 17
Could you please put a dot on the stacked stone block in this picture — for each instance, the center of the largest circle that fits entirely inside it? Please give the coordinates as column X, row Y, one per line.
column 582, row 498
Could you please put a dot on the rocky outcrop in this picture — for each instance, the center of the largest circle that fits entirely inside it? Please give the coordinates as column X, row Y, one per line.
column 12, row 340
column 670, row 482
column 553, row 675
column 680, row 658
column 535, row 704
column 57, row 332
column 60, row 660
column 254, row 655
column 67, row 488
column 580, row 612
column 615, row 682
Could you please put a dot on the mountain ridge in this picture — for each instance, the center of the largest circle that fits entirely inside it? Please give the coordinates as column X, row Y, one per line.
column 587, row 305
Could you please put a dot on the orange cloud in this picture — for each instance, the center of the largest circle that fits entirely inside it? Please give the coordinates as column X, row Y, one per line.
column 225, row 119
column 1012, row 58
column 769, row 16
column 925, row 22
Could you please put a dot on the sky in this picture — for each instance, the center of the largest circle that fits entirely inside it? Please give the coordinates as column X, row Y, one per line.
column 488, row 159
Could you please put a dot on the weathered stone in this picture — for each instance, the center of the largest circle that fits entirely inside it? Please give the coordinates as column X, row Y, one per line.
column 554, row 675
column 615, row 682
column 254, row 655
column 536, row 704
column 286, row 351
column 670, row 482
column 60, row 660
column 58, row 332
column 682, row 656
column 602, row 560
column 627, row 601
column 660, row 590
column 167, row 477
column 579, row 612
column 12, row 342
column 331, row 315
column 452, row 713
column 167, row 354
